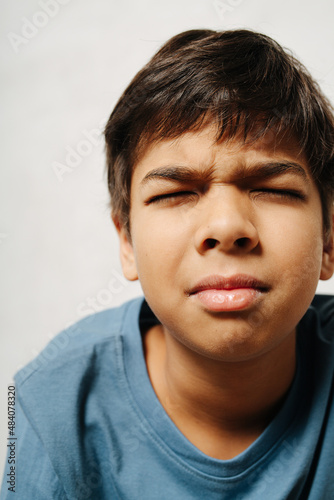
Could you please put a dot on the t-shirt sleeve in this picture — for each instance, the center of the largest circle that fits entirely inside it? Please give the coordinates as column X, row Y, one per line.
column 35, row 477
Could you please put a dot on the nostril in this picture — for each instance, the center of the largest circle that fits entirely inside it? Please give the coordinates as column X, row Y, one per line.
column 241, row 242
column 211, row 242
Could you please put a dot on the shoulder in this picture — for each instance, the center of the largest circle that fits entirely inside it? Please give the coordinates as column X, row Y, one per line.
column 322, row 313
column 66, row 392
column 324, row 304
column 77, row 349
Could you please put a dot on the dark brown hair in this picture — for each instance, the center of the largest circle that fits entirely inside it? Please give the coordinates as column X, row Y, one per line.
column 243, row 81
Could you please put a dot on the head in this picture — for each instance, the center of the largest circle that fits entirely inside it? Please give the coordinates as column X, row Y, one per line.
column 244, row 83
column 221, row 174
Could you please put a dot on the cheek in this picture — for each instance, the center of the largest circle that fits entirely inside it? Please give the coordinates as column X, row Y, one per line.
column 159, row 246
column 299, row 250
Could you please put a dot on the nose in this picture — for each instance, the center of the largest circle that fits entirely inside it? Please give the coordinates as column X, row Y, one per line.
column 226, row 222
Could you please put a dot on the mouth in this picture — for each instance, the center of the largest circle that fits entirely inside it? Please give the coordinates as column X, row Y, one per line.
column 218, row 293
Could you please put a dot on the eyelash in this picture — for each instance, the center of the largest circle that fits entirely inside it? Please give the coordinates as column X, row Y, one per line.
column 283, row 194
column 169, row 196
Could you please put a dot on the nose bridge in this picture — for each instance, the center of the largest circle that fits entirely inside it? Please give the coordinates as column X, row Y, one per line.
column 226, row 218
column 226, row 203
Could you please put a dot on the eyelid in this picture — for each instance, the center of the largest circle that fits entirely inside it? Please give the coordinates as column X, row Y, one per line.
column 169, row 195
column 281, row 192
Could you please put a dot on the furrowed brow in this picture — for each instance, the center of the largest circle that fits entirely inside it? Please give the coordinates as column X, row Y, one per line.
column 263, row 170
column 273, row 169
column 178, row 174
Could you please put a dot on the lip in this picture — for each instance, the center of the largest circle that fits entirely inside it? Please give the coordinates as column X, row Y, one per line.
column 218, row 282
column 234, row 293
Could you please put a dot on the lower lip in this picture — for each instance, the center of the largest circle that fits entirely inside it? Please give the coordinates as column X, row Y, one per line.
column 228, row 300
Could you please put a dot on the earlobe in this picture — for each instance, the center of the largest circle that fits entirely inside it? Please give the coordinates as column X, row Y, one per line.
column 327, row 268
column 127, row 255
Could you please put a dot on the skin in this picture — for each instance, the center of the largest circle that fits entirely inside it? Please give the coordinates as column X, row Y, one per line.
column 222, row 375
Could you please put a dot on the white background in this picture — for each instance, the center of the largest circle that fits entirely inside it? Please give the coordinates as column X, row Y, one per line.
column 59, row 83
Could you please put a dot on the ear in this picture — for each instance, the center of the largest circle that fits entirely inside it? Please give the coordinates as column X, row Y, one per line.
column 127, row 254
column 327, row 267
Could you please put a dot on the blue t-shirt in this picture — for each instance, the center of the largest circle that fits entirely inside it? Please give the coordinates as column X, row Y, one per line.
column 89, row 425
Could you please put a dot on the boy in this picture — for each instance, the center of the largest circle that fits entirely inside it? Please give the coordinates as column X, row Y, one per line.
column 220, row 383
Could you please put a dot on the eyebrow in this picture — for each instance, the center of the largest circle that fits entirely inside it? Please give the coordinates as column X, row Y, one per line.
column 260, row 170
column 178, row 173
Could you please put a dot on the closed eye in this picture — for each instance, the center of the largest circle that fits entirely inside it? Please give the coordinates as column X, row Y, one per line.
column 174, row 198
column 280, row 194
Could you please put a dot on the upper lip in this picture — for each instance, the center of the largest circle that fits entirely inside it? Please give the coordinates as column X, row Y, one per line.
column 217, row 282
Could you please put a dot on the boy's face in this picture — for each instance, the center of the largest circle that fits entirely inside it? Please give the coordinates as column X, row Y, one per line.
column 227, row 241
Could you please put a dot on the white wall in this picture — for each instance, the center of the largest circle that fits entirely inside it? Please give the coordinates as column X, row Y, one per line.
column 59, row 82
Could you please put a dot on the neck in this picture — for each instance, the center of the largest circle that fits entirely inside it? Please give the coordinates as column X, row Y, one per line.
column 224, row 400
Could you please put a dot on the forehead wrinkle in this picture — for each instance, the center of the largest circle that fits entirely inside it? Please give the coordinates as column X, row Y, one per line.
column 179, row 173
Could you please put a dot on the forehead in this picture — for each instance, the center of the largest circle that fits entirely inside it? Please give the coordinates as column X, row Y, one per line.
column 200, row 150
